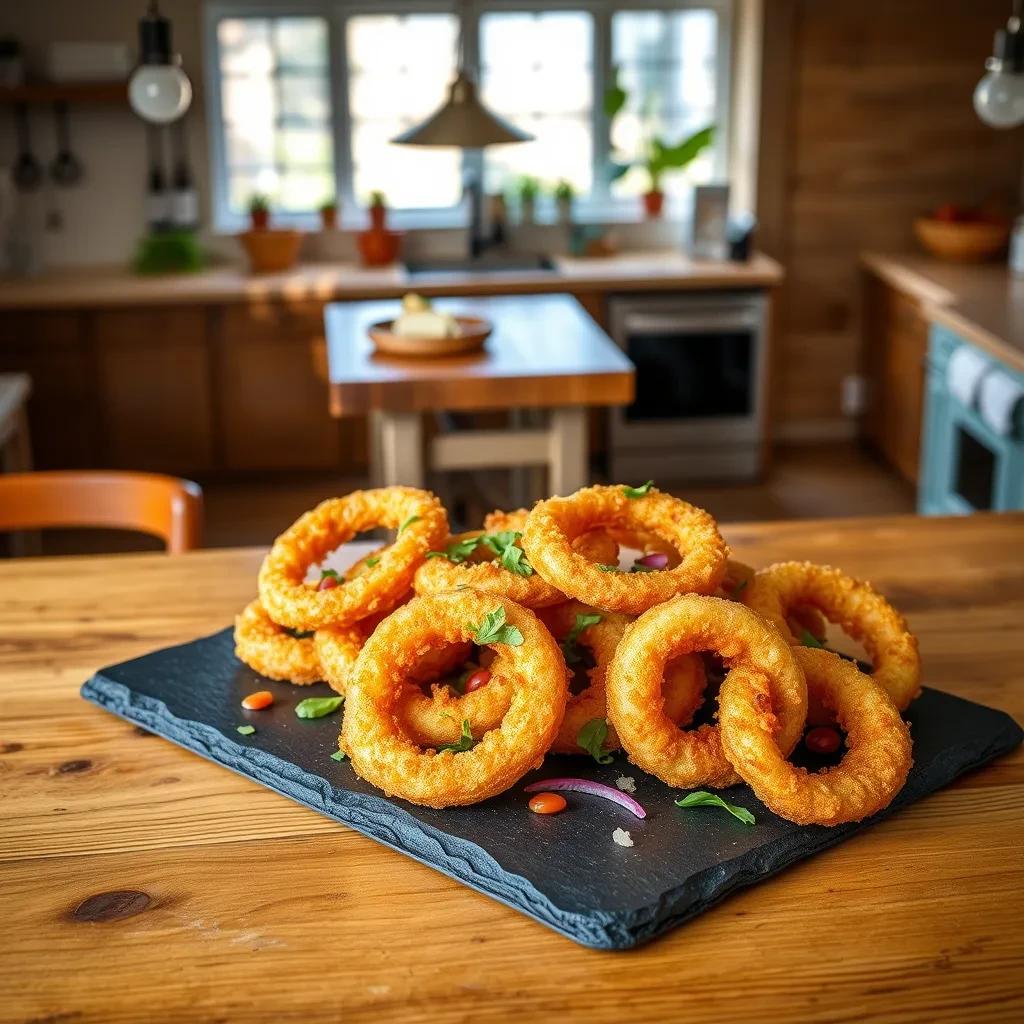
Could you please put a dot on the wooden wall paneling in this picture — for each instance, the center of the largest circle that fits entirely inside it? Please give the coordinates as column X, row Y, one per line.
column 157, row 408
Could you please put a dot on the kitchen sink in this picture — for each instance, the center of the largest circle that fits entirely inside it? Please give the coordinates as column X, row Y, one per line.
column 484, row 265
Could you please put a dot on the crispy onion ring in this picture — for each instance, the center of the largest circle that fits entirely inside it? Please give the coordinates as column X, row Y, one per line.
column 871, row 773
column 739, row 576
column 684, row 625
column 272, row 651
column 430, row 721
column 682, row 689
column 553, row 524
column 856, row 606
column 388, row 759
column 291, row 601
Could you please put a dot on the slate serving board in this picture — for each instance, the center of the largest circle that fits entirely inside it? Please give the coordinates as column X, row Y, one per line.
column 565, row 871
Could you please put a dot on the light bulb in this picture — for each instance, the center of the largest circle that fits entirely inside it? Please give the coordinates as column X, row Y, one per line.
column 159, row 93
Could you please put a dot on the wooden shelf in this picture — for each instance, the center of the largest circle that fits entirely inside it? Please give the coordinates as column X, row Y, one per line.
column 64, row 92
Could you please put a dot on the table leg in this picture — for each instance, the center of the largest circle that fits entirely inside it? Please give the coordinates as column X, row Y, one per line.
column 400, row 449
column 568, row 458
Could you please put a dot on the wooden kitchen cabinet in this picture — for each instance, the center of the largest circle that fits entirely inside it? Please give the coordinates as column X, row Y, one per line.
column 895, row 344
column 153, row 372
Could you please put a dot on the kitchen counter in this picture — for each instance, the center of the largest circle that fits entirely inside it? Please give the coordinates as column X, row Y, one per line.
column 215, row 898
column 632, row 271
column 983, row 303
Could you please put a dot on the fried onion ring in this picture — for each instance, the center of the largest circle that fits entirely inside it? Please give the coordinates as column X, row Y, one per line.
column 871, row 773
column 739, row 575
column 288, row 599
column 272, row 651
column 388, row 759
column 684, row 625
column 553, row 524
column 856, row 606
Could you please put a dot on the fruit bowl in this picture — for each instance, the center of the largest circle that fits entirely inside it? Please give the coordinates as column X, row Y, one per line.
column 473, row 332
column 969, row 241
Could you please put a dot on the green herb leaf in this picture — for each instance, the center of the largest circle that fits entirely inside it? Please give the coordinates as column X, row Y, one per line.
column 642, row 568
column 704, row 799
column 317, row 707
column 570, row 645
column 458, row 551
column 591, row 739
column 493, row 630
column 514, row 560
column 638, row 492
column 408, row 522
column 808, row 639
column 371, row 561
column 324, row 573
column 299, row 634
column 497, row 542
column 246, row 730
column 463, row 743
column 338, row 755
column 609, row 568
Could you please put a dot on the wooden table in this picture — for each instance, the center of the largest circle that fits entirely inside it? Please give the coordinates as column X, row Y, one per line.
column 545, row 353
column 253, row 908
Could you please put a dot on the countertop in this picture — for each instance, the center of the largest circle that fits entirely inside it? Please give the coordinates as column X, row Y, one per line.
column 258, row 909
column 633, row 271
column 981, row 302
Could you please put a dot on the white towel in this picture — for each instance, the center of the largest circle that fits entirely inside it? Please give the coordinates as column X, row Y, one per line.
column 998, row 400
column 964, row 371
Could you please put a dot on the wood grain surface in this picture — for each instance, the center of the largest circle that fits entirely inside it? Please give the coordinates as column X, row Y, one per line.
column 141, row 883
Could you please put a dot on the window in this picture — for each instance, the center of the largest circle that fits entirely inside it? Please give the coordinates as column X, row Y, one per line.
column 306, row 96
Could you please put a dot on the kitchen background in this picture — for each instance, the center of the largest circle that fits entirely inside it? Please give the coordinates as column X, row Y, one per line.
column 839, row 124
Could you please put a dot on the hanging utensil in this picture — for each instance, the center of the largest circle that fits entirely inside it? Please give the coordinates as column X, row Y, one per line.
column 27, row 173
column 66, row 169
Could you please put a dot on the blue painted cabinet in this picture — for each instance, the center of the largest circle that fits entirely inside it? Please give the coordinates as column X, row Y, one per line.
column 966, row 465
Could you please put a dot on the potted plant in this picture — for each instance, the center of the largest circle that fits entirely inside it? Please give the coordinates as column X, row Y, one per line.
column 564, row 195
column 529, row 188
column 259, row 211
column 378, row 210
column 329, row 214
column 658, row 157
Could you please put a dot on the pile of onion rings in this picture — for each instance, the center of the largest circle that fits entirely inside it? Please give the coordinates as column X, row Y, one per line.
column 584, row 626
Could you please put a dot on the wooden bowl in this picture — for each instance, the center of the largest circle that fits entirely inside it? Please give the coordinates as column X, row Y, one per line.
column 962, row 241
column 474, row 332
column 271, row 251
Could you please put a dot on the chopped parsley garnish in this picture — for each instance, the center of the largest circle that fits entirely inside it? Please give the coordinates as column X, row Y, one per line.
column 299, row 634
column 408, row 522
column 703, row 799
column 317, row 707
column 642, row 568
column 591, row 739
column 609, row 568
column 463, row 743
column 493, row 630
column 333, row 574
column 459, row 550
column 808, row 639
column 504, row 545
column 371, row 561
column 338, row 755
column 246, row 730
column 638, row 492
column 570, row 646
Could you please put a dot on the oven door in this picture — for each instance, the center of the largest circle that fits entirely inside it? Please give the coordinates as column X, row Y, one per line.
column 699, row 370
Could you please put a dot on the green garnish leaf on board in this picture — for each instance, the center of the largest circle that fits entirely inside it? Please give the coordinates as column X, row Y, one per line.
column 493, row 630
column 338, row 755
column 408, row 522
column 638, row 492
column 591, row 739
column 245, row 730
column 808, row 639
column 570, row 644
column 458, row 551
column 463, row 743
column 318, row 707
column 704, row 799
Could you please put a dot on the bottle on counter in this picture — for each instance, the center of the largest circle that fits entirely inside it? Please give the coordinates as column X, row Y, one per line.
column 184, row 200
column 158, row 198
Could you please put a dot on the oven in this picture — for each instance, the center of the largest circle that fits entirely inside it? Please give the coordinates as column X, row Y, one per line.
column 700, row 386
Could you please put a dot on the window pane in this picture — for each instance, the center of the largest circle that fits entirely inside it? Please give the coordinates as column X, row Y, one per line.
column 276, row 111
column 667, row 65
column 536, row 71
column 399, row 69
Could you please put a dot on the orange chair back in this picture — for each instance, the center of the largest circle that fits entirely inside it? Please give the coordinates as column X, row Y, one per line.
column 163, row 506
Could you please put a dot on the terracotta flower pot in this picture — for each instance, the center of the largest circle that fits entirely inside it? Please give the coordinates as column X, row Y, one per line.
column 378, row 247
column 271, row 251
column 378, row 217
column 653, row 203
column 328, row 217
column 260, row 219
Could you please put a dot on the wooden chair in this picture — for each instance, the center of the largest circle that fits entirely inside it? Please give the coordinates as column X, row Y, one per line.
column 163, row 506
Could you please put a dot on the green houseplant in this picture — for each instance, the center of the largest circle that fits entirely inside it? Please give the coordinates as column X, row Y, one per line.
column 378, row 210
column 564, row 195
column 528, row 190
column 259, row 211
column 328, row 214
column 658, row 156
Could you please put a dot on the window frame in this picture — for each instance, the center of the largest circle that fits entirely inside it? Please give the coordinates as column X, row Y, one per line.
column 599, row 205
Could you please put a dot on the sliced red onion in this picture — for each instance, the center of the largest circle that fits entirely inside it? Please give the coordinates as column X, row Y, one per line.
column 592, row 788
column 655, row 560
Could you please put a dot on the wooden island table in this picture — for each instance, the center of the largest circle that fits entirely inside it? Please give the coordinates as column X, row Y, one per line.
column 139, row 882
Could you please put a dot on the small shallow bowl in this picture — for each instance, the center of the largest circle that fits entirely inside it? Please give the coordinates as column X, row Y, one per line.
column 962, row 241
column 271, row 250
column 474, row 331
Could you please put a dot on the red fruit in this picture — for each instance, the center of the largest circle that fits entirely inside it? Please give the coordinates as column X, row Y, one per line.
column 327, row 583
column 822, row 740
column 478, row 679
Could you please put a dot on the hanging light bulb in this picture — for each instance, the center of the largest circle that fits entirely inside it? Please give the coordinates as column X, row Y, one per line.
column 158, row 90
column 999, row 96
